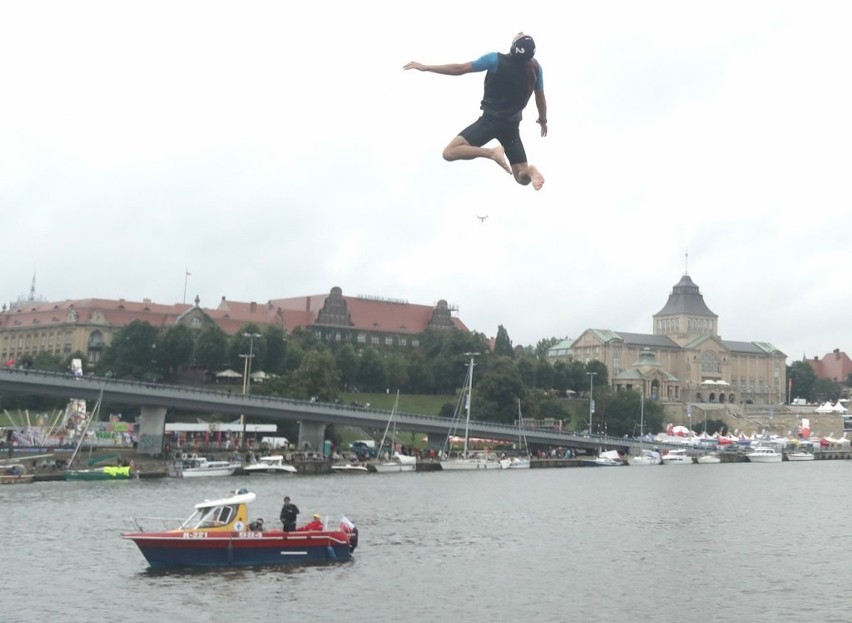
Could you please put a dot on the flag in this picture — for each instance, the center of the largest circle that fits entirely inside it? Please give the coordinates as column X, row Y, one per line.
column 346, row 525
column 188, row 274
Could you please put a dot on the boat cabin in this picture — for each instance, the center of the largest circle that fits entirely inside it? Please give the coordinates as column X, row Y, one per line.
column 227, row 514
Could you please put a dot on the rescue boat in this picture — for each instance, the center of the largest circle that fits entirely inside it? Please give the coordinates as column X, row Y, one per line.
column 219, row 534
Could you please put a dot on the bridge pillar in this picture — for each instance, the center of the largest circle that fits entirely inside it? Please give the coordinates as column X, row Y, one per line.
column 311, row 435
column 152, row 428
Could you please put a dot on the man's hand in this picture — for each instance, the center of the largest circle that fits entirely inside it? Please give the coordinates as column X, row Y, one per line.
column 543, row 125
column 414, row 65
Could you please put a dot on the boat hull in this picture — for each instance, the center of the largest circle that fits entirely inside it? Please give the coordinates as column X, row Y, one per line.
column 171, row 550
column 389, row 468
column 284, row 469
column 765, row 458
column 515, row 463
column 468, row 465
column 19, row 479
column 98, row 474
column 800, row 456
column 207, row 472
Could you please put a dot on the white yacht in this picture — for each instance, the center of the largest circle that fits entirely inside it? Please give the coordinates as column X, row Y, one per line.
column 273, row 464
column 677, row 456
column 764, row 454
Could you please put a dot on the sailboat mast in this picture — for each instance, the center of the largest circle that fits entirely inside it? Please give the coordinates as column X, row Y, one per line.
column 642, row 414
column 467, row 402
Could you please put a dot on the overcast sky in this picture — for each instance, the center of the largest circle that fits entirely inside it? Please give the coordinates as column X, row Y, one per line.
column 278, row 149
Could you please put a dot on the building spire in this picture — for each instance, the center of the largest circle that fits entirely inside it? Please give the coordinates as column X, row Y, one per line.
column 686, row 263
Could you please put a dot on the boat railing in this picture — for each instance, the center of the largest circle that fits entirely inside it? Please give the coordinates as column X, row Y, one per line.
column 156, row 524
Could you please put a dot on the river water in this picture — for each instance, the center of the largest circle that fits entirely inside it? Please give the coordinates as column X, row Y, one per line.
column 729, row 542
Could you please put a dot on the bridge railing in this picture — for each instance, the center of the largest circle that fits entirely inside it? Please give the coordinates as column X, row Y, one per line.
column 411, row 420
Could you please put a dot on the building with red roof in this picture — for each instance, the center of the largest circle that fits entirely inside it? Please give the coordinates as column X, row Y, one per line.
column 60, row 328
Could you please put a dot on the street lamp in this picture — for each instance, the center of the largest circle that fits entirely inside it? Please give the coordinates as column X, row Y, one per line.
column 591, row 397
column 247, row 363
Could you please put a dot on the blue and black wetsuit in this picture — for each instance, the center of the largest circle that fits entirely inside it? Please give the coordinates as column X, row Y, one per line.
column 509, row 84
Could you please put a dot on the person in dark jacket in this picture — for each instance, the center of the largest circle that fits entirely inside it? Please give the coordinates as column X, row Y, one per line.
column 510, row 81
column 289, row 513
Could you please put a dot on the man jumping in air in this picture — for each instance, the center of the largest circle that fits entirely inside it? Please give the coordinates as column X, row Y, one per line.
column 510, row 81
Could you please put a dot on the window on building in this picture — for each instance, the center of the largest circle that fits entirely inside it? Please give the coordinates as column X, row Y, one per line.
column 709, row 362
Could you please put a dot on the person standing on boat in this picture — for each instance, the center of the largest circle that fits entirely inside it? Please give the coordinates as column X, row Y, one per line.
column 289, row 513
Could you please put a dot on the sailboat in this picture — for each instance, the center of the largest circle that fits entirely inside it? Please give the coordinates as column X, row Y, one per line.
column 467, row 460
column 521, row 461
column 646, row 457
column 396, row 462
column 109, row 472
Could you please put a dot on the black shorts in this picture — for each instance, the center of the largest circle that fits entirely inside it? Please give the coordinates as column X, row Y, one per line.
column 508, row 133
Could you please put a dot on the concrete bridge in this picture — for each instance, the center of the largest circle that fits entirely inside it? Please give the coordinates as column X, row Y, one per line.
column 313, row 417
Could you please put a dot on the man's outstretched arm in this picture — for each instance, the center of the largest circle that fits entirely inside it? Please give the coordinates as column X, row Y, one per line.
column 451, row 69
column 541, row 104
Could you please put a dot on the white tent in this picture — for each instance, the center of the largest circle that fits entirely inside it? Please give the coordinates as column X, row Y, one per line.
column 229, row 374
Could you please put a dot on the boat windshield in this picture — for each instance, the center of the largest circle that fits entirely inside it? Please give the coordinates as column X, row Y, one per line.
column 210, row 517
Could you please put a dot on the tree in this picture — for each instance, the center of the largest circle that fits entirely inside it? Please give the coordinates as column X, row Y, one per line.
column 317, row 377
column 502, row 343
column 372, row 375
column 598, row 368
column 49, row 362
column 396, row 365
column 545, row 345
column 347, row 363
column 274, row 355
column 802, row 378
column 497, row 390
column 243, row 344
column 133, row 352
column 174, row 350
column 826, row 389
column 211, row 347
column 619, row 413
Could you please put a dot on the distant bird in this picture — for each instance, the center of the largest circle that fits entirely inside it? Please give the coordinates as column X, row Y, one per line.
column 482, row 218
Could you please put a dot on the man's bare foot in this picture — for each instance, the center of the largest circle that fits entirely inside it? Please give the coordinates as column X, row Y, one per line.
column 536, row 177
column 498, row 155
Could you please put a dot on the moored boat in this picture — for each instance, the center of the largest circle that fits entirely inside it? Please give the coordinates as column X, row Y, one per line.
column 608, row 458
column 711, row 458
column 800, row 455
column 397, row 463
column 349, row 468
column 219, row 534
column 467, row 460
column 764, row 454
column 108, row 472
column 194, row 466
column 647, row 457
column 516, row 462
column 273, row 464
column 14, row 474
column 677, row 456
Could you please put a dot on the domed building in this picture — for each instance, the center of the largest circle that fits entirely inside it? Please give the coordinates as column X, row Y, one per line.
column 685, row 359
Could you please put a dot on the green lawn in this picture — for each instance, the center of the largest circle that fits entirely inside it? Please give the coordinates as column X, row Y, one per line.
column 426, row 404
